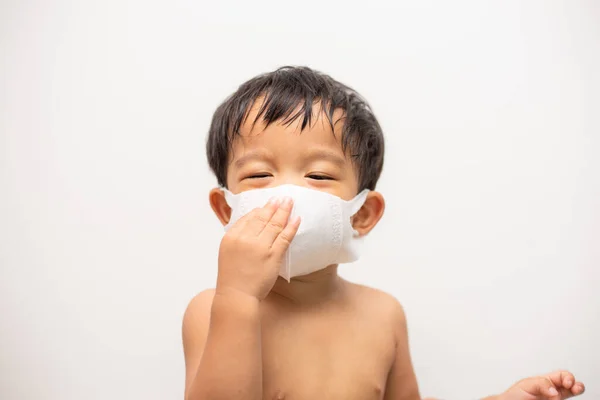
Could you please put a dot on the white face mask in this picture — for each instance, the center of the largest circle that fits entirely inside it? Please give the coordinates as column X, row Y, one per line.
column 325, row 235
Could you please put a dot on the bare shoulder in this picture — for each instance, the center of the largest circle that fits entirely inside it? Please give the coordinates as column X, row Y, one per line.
column 382, row 320
column 380, row 304
column 201, row 300
column 197, row 315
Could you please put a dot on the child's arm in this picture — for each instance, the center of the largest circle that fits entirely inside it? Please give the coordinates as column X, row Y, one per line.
column 221, row 331
column 401, row 382
column 222, row 346
column 559, row 385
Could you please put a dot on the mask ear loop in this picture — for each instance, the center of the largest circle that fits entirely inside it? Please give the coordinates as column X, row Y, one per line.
column 355, row 205
column 233, row 202
column 358, row 201
column 349, row 208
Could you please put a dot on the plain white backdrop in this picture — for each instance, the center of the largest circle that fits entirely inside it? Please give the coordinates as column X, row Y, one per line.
column 491, row 237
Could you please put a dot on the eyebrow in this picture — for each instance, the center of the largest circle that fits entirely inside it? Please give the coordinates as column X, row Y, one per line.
column 314, row 155
column 322, row 154
column 250, row 156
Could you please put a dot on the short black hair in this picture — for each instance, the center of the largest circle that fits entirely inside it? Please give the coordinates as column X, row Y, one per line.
column 290, row 93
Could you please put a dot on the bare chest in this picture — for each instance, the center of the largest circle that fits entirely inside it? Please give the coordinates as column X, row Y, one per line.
column 325, row 357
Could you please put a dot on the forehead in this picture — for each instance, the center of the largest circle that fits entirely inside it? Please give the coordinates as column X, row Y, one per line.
column 255, row 132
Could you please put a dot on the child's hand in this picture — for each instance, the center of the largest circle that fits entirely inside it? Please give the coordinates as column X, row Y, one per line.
column 252, row 251
column 558, row 385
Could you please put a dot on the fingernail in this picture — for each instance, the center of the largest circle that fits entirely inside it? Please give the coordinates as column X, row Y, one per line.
column 552, row 391
column 287, row 201
column 274, row 201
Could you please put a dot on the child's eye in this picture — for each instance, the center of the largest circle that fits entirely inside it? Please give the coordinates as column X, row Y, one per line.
column 258, row 176
column 319, row 177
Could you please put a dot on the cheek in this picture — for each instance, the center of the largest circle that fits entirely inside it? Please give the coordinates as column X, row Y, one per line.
column 350, row 190
column 234, row 181
column 234, row 185
column 350, row 181
column 230, row 181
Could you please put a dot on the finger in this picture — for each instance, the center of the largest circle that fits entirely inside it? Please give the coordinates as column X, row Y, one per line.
column 261, row 217
column 565, row 394
column 568, row 380
column 277, row 222
column 283, row 241
column 542, row 386
column 563, row 379
column 240, row 224
column 565, row 382
column 578, row 388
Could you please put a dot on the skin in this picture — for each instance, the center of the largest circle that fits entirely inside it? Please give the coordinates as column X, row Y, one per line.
column 256, row 336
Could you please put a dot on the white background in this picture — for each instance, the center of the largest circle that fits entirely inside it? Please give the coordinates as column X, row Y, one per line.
column 491, row 237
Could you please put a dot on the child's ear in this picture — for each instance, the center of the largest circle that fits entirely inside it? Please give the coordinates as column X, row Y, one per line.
column 370, row 213
column 219, row 205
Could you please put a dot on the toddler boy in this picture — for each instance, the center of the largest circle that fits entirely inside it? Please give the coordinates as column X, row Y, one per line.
column 298, row 156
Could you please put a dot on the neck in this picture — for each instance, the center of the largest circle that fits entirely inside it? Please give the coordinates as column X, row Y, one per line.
column 313, row 288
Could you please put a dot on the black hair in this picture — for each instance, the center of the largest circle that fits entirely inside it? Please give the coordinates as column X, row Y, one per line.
column 290, row 93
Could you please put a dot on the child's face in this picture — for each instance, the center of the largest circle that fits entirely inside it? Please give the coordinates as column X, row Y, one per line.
column 282, row 154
